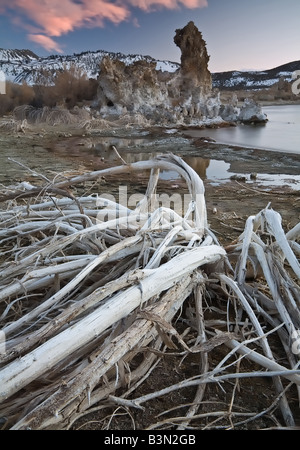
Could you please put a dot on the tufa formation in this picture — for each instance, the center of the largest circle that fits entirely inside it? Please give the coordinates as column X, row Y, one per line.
column 194, row 56
column 184, row 96
column 156, row 97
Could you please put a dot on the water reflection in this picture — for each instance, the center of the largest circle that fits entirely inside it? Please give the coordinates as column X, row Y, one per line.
column 280, row 133
column 94, row 153
column 200, row 165
column 100, row 150
column 103, row 149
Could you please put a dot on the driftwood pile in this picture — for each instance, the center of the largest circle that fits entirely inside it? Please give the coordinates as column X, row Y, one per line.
column 94, row 295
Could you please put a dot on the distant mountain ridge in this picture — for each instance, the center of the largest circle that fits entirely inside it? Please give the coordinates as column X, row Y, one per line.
column 17, row 55
column 236, row 80
column 24, row 65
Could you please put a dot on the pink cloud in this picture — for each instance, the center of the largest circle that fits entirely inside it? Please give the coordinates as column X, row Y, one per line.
column 46, row 42
column 54, row 18
column 148, row 5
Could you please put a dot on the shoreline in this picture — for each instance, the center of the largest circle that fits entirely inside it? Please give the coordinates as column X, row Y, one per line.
column 279, row 103
column 80, row 148
column 229, row 204
column 208, row 140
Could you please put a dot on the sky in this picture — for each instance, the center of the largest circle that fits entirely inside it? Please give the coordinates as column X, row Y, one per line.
column 240, row 34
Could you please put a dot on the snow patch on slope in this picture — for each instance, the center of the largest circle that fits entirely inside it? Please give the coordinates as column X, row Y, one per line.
column 24, row 65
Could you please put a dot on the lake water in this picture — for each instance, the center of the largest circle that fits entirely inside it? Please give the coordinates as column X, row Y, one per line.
column 279, row 165
column 280, row 136
column 281, row 133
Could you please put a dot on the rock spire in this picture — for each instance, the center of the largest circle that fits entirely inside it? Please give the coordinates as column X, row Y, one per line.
column 194, row 56
column 181, row 97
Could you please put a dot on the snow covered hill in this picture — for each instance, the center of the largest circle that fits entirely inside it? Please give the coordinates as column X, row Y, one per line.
column 24, row 65
column 235, row 80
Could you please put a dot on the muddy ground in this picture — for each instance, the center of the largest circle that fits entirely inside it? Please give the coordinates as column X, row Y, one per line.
column 228, row 205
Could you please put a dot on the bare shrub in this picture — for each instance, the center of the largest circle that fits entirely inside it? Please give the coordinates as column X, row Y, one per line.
column 67, row 88
column 51, row 116
column 6, row 104
column 22, row 112
column 16, row 95
column 71, row 87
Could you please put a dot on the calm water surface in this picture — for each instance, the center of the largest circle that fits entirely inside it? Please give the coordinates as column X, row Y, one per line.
column 281, row 133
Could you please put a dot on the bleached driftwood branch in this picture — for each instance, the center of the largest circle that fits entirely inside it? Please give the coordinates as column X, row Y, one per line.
column 88, row 284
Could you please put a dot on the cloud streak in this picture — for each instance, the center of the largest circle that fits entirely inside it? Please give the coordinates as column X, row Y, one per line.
column 48, row 43
column 48, row 19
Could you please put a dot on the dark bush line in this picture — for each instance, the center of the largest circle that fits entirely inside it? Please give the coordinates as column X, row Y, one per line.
column 68, row 88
